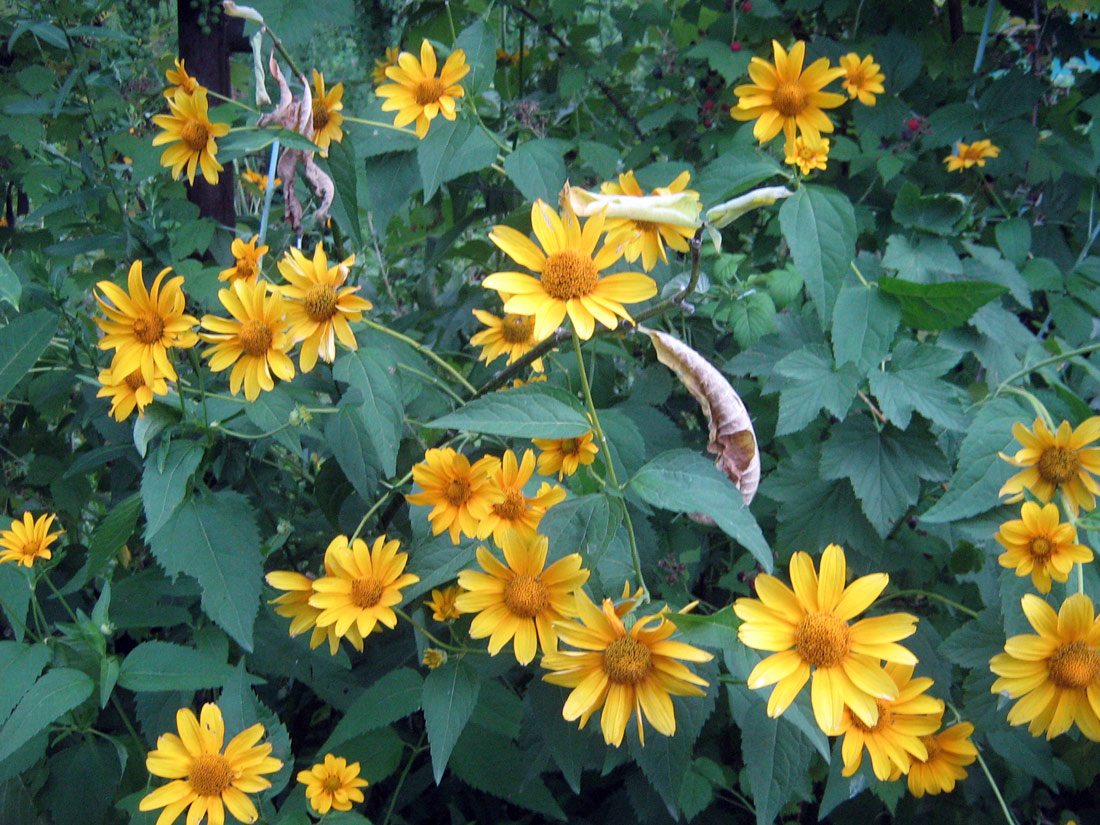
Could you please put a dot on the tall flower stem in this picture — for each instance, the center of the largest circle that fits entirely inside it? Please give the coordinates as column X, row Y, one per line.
column 423, row 350
column 379, row 125
column 1046, row 362
column 428, row 635
column 989, row 776
column 401, row 482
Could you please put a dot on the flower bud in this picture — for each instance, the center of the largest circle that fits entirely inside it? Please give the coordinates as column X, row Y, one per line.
column 672, row 209
column 725, row 213
column 433, row 658
column 247, row 12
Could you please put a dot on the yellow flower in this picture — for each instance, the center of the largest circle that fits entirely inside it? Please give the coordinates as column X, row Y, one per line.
column 512, row 335
column 783, row 98
column 863, row 77
column 1037, row 543
column 192, row 136
column 203, row 777
column 180, row 81
column 143, row 324
column 363, row 585
column 460, row 494
column 622, row 670
column 643, row 238
column 808, row 628
column 433, row 657
column 378, row 73
column 416, row 94
column 807, row 156
column 514, row 510
column 1059, row 460
column 948, row 751
column 569, row 275
column 973, row 154
column 127, row 392
column 564, row 455
column 258, row 180
column 27, row 540
column 896, row 737
column 1057, row 673
column 247, row 265
column 326, row 113
column 332, row 784
column 442, row 604
column 522, row 600
column 320, row 307
column 254, row 342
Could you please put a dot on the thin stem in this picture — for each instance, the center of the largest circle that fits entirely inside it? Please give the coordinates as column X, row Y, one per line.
column 871, row 406
column 901, row 593
column 129, row 725
column 435, row 382
column 251, row 436
column 49, row 583
column 423, row 350
column 405, row 479
column 1036, row 404
column 225, row 99
column 989, row 776
column 197, row 367
column 679, row 298
column 433, row 639
column 379, row 124
column 1046, row 362
column 283, row 52
column 988, row 186
column 859, row 275
column 401, row 779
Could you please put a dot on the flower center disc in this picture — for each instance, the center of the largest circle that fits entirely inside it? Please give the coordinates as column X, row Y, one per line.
column 1058, row 465
column 932, row 745
column 332, row 783
column 255, row 337
column 822, row 639
column 428, row 91
column 569, row 274
column 134, row 380
column 789, row 99
column 512, row 507
column 526, row 596
column 320, row 115
column 457, row 491
column 366, row 592
column 646, row 226
column 320, row 302
column 517, row 329
column 885, row 718
column 195, row 135
column 1074, row 665
column 210, row 774
column 570, row 446
column 627, row 661
column 245, row 269
column 1040, row 547
column 148, row 328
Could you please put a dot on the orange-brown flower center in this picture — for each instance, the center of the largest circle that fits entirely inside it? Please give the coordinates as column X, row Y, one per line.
column 195, row 134
column 245, row 269
column 320, row 302
column 513, row 506
column 856, row 78
column 210, row 774
column 526, row 596
column 646, row 226
column 627, row 661
column 885, row 719
column 1058, row 464
column 932, row 745
column 570, row 446
column 428, row 90
column 517, row 329
column 457, row 492
column 822, row 639
column 320, row 115
column 1074, row 665
column 569, row 274
column 789, row 99
column 134, row 380
column 332, row 783
column 1040, row 547
column 255, row 337
column 148, row 328
column 366, row 592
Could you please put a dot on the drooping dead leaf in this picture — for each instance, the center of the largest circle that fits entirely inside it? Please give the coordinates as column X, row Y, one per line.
column 732, row 437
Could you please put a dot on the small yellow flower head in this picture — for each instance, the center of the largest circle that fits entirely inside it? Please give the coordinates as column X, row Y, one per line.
column 326, row 113
column 258, row 179
column 332, row 784
column 513, row 335
column 378, row 73
column 247, row 265
column 460, row 494
column 863, row 78
column 565, row 456
column 515, row 510
column 192, row 137
column 416, row 94
column 28, row 539
column 180, row 81
column 127, row 392
column 974, row 154
column 442, row 604
column 1039, row 544
column 433, row 658
column 807, row 156
column 1060, row 460
column 948, row 751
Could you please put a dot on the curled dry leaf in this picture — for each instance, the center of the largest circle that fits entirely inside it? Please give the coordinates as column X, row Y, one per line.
column 732, row 437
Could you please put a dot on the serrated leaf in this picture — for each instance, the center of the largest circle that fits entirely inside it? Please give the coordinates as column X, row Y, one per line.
column 11, row 290
column 819, row 226
column 751, row 318
column 584, row 524
column 937, row 213
column 911, row 383
column 731, row 65
column 450, row 149
column 108, row 538
column 537, row 169
column 479, row 43
column 921, row 260
column 530, row 411
column 21, row 665
column 449, row 696
column 21, row 342
column 733, row 172
column 57, row 692
column 342, row 164
column 160, row 666
column 976, row 642
column 394, row 696
column 272, row 410
column 347, row 437
column 940, row 306
column 165, row 484
column 490, row 763
column 378, row 402
column 815, row 383
column 864, row 323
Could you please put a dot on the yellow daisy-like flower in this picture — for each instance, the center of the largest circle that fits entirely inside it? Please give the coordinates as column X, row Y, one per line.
column 247, row 264
column 320, row 307
column 809, row 630
column 1055, row 675
column 1059, row 460
column 143, row 324
column 333, row 784
column 569, row 279
column 514, row 510
column 895, row 738
column 622, row 670
column 27, row 540
column 784, row 98
column 205, row 779
column 416, row 94
column 433, row 658
column 974, row 154
column 294, row 605
column 442, row 604
column 378, row 73
column 1040, row 545
column 863, row 78
column 460, row 494
column 513, row 335
column 192, row 137
column 363, row 585
column 254, row 341
column 807, row 156
column 326, row 113
column 948, row 751
column 522, row 600
column 180, row 81
column 258, row 179
column 129, row 391
column 644, row 238
column 565, row 455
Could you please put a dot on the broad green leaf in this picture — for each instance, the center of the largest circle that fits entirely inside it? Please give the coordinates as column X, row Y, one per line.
column 584, row 524
column 921, row 260
column 342, row 165
column 1014, row 239
column 479, row 43
column 242, row 709
column 74, row 771
column 21, row 665
column 731, row 65
column 394, row 696
column 819, row 226
column 272, row 410
column 986, row 264
column 973, row 644
column 437, row 562
column 1032, row 756
column 21, row 342
column 936, row 213
column 491, row 763
column 450, row 694
column 347, row 436
column 57, row 692
column 732, row 173
column 569, row 747
column 158, row 666
column 11, row 290
column 537, row 169
column 864, row 324
column 751, row 318
column 392, row 177
column 108, row 538
column 370, row 373
column 939, row 306
column 450, row 149
column 911, row 383
column 15, row 598
column 531, row 411
column 718, row 630
column 815, row 383
column 165, row 484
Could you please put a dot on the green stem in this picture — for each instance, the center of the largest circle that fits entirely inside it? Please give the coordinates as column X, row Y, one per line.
column 193, row 357
column 433, row 639
column 401, row 779
column 379, row 124
column 1046, row 362
column 989, row 776
column 381, row 500
column 224, row 99
column 431, row 379
column 679, row 298
column 283, row 52
column 248, row 436
column 859, row 275
column 1036, row 404
column 49, row 583
column 901, row 593
column 423, row 350
column 129, row 725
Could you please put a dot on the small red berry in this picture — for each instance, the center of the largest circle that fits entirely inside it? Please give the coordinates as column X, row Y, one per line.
column 746, row 6
column 913, row 124
column 707, row 122
column 735, row 46
column 708, row 105
column 1029, row 48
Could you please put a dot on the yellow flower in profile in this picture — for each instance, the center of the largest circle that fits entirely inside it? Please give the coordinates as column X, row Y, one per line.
column 192, row 137
column 442, row 604
column 808, row 628
column 326, row 113
column 565, row 455
column 1059, row 460
column 28, row 539
column 807, row 156
column 784, row 98
column 378, row 73
column 258, row 179
column 332, row 784
column 294, row 605
column 1055, row 675
column 1040, row 545
column 569, row 279
column 254, row 341
column 622, row 670
column 204, row 778
column 143, row 324
column 180, row 81
column 522, row 600
column 513, row 335
column 247, row 265
column 644, row 238
column 974, row 154
column 948, row 751
column 416, row 94
column 460, row 494
column 863, row 78
column 363, row 586
column 514, row 510
column 433, row 658
column 127, row 392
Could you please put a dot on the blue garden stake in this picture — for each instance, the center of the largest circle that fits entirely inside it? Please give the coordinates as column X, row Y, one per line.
column 269, row 192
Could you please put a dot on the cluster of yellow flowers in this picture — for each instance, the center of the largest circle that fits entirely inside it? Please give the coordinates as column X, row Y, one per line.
column 188, row 131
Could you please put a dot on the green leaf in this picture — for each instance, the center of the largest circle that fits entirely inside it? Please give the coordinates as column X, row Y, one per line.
column 864, row 324
column 74, row 771
column 347, row 436
column 537, row 169
column 57, row 692
column 718, row 630
column 731, row 65
column 437, row 561
column 214, row 539
column 489, row 762
column 973, row 644
column 108, row 537
column 568, row 746
column 450, row 694
column 937, row 213
column 685, row 482
column 394, row 696
column 1014, row 239
column 922, row 260
column 751, row 318
column 814, row 383
column 15, row 597
column 531, row 411
column 911, row 383
column 166, row 483
column 11, row 290
column 391, row 178
column 819, row 226
column 450, row 149
column 159, row 666
column 479, row 43
column 342, row 165
column 732, row 173
column 584, row 524
column 272, row 410
column 21, row 342
column 940, row 306
column 369, row 372
column 21, row 665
